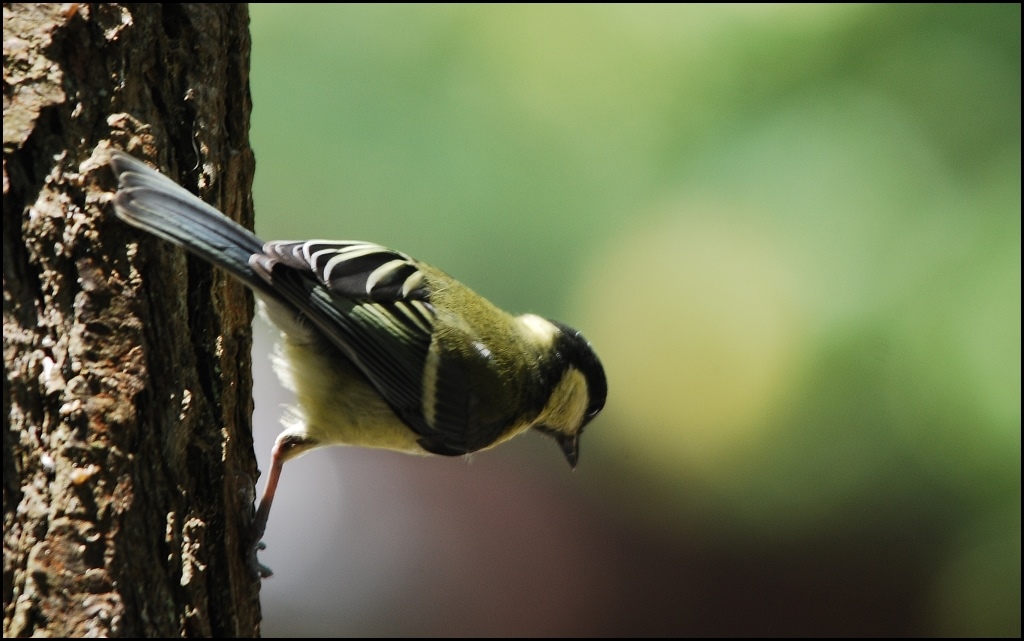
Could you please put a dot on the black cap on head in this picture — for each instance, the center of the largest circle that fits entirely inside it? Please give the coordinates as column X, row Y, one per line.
column 577, row 352
column 574, row 351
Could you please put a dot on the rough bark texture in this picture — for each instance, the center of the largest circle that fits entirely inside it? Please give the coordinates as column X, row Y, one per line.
column 128, row 465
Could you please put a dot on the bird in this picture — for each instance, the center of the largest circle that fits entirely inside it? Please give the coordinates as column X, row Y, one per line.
column 380, row 349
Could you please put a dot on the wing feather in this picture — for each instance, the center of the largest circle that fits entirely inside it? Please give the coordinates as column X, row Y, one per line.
column 373, row 303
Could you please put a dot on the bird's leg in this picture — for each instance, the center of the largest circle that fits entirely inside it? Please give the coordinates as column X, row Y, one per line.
column 287, row 446
column 259, row 524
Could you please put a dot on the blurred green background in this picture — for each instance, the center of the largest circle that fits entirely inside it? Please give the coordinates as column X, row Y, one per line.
column 792, row 234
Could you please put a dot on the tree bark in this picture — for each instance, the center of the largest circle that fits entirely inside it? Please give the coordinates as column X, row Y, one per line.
column 127, row 444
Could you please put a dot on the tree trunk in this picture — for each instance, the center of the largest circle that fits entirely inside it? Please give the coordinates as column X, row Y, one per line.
column 128, row 463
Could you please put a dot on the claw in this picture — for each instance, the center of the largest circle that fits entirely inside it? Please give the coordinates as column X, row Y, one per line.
column 264, row 571
column 254, row 562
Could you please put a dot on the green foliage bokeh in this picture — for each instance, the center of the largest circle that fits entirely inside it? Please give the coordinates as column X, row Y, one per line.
column 791, row 232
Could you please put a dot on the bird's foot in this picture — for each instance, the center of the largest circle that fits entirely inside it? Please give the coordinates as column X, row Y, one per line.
column 263, row 571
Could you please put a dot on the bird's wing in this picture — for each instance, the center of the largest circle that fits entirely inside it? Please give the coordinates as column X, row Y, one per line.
column 373, row 303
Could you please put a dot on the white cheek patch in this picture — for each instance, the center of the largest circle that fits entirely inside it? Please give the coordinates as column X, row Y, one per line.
column 567, row 406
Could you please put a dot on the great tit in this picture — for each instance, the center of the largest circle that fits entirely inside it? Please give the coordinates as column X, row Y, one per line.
column 381, row 349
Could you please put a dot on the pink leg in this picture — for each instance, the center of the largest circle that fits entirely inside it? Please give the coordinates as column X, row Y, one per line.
column 263, row 512
column 285, row 447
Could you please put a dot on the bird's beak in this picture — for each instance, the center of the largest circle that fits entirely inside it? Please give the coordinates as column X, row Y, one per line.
column 570, row 447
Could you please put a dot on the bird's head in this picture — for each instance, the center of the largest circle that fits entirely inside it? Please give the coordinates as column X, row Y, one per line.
column 578, row 388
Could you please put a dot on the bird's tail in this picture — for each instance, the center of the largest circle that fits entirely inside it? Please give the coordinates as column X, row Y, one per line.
column 150, row 201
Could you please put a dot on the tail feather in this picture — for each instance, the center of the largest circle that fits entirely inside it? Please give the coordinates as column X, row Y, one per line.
column 150, row 201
